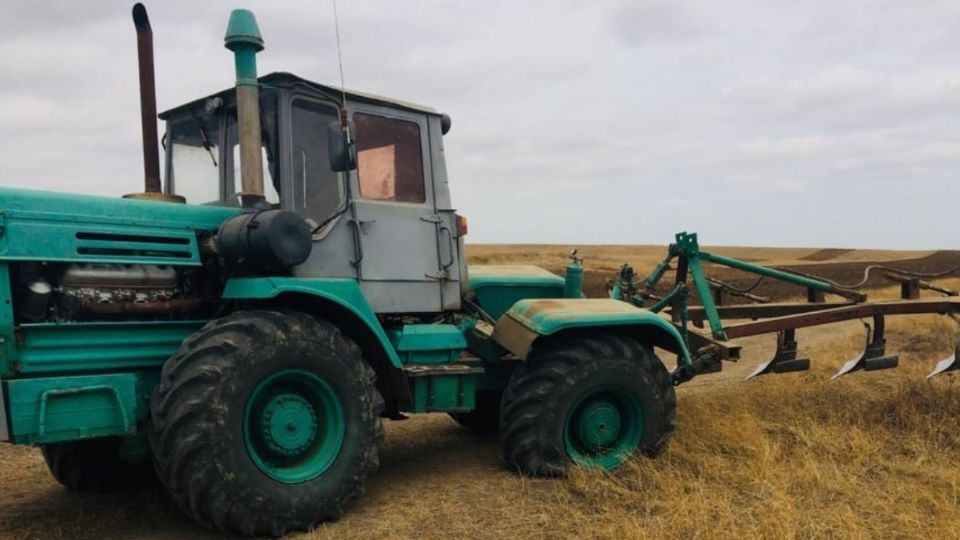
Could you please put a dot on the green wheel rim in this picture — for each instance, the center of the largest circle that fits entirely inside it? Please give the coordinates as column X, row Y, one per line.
column 293, row 426
column 603, row 428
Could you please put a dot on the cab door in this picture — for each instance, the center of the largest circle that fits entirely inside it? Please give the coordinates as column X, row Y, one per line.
column 394, row 217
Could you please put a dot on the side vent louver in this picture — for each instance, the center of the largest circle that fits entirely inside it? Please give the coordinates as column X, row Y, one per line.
column 123, row 247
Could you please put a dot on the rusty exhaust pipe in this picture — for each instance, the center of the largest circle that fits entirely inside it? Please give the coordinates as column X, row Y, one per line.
column 148, row 100
column 148, row 111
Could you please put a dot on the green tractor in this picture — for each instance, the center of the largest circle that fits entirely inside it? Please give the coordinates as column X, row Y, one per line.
column 240, row 330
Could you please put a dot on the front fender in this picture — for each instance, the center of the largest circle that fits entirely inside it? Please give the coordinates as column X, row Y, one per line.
column 342, row 291
column 528, row 320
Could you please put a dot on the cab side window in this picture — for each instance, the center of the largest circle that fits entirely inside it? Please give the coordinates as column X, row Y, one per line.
column 389, row 159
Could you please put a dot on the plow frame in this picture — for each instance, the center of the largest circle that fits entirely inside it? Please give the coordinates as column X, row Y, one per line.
column 782, row 318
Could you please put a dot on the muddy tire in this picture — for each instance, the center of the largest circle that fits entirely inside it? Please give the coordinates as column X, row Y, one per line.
column 95, row 466
column 589, row 400
column 266, row 423
column 485, row 419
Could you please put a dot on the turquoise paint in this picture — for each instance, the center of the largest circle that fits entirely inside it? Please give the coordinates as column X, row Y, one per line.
column 342, row 291
column 67, row 408
column 293, row 426
column 603, row 428
column 442, row 393
column 545, row 317
column 573, row 278
column 48, row 348
column 74, row 208
column 243, row 38
column 428, row 343
column 518, row 276
column 242, row 31
column 496, row 288
column 8, row 343
column 48, row 226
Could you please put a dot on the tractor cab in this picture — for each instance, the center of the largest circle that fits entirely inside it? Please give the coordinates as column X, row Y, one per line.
column 386, row 221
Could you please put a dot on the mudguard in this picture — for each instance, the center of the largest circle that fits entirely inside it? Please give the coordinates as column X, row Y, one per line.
column 529, row 320
column 342, row 291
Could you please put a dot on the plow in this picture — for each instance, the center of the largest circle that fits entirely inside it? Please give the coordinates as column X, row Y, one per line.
column 712, row 345
column 240, row 331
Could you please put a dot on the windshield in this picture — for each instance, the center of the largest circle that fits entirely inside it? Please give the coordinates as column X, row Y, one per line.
column 193, row 171
column 204, row 158
column 198, row 167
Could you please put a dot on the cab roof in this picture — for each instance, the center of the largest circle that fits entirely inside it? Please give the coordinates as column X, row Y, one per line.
column 283, row 79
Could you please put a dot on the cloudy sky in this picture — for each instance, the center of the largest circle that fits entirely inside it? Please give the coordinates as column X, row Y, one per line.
column 815, row 123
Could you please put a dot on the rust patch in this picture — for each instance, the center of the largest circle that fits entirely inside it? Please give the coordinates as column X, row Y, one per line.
column 513, row 336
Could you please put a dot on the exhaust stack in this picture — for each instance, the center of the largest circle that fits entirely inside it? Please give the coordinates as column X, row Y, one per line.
column 243, row 38
column 148, row 111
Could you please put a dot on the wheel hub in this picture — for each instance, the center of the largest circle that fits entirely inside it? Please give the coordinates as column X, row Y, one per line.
column 603, row 427
column 294, row 426
column 599, row 425
column 289, row 425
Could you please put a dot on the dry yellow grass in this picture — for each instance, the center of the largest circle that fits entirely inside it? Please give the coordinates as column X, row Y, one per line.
column 873, row 455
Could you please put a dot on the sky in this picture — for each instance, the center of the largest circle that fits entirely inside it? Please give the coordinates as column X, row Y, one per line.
column 823, row 123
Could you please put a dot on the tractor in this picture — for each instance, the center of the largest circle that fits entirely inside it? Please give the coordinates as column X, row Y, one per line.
column 239, row 331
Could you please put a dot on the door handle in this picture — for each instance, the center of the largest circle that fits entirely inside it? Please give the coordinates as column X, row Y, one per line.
column 450, row 246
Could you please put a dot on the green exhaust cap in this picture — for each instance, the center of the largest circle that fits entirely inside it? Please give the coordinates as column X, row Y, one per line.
column 242, row 30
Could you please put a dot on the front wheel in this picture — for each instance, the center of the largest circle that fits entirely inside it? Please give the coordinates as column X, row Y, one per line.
column 266, row 423
column 587, row 400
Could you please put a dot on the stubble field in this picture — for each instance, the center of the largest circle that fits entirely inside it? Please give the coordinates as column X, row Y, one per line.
column 873, row 455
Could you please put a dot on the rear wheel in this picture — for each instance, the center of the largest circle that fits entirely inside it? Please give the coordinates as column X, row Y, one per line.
column 266, row 423
column 97, row 465
column 589, row 400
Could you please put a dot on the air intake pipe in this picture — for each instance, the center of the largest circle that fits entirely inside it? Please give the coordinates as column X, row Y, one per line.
column 262, row 238
column 243, row 38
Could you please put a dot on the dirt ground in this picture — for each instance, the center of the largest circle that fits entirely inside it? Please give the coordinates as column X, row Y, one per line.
column 873, row 455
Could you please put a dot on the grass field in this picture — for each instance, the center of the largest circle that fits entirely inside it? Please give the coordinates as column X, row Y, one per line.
column 873, row 455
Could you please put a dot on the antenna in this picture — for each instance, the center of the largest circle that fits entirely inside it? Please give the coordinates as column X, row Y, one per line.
column 343, row 87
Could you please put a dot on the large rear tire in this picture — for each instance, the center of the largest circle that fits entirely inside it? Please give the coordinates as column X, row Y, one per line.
column 587, row 400
column 96, row 466
column 266, row 423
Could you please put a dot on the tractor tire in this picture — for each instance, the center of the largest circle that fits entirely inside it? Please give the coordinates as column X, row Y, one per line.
column 592, row 400
column 485, row 419
column 95, row 466
column 266, row 423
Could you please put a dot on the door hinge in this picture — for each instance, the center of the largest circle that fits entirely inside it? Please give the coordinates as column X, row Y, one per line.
column 439, row 276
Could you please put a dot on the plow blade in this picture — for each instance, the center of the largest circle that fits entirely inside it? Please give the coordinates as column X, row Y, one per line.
column 948, row 364
column 785, row 359
column 874, row 355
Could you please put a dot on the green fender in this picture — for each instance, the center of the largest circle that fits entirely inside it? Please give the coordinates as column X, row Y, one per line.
column 530, row 319
column 341, row 291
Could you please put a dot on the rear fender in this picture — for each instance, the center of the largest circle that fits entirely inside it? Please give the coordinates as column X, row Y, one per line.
column 529, row 321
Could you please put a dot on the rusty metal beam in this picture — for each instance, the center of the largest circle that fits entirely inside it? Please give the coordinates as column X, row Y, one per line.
column 761, row 311
column 844, row 313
